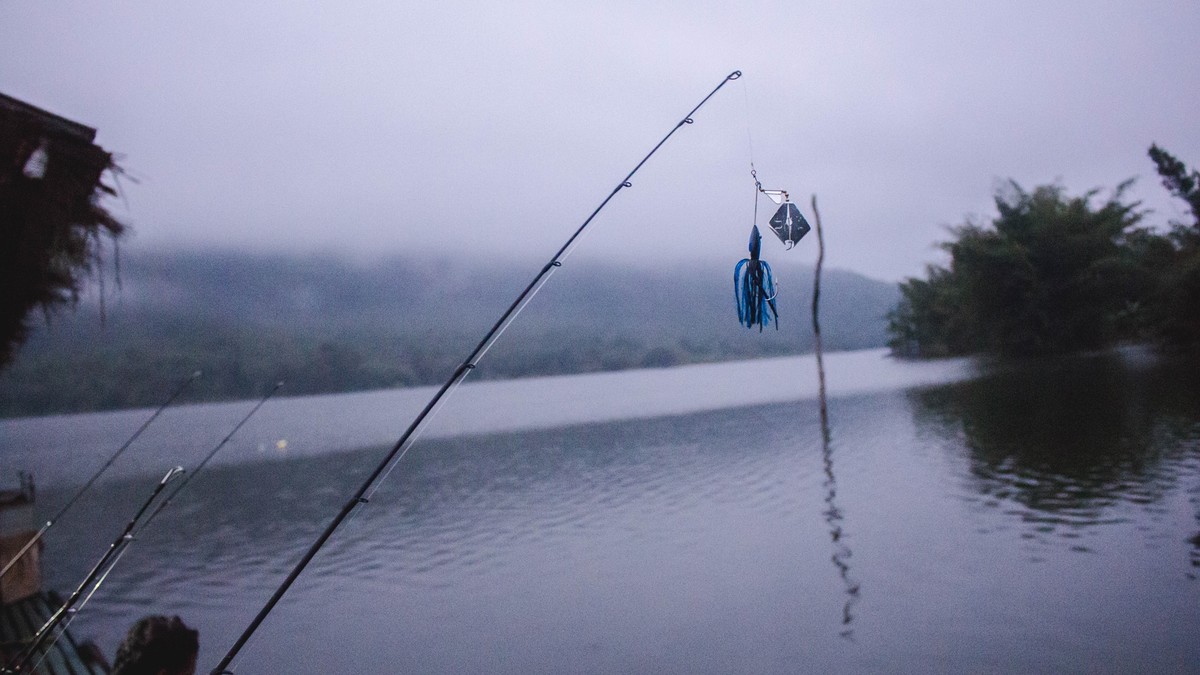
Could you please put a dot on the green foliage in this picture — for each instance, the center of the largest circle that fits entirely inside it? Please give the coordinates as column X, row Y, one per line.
column 927, row 321
column 1050, row 274
column 1178, row 181
column 1053, row 274
column 1175, row 306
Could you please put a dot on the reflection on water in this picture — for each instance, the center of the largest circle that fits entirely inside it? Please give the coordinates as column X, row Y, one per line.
column 833, row 514
column 837, row 533
column 1068, row 445
column 621, row 533
column 1195, row 552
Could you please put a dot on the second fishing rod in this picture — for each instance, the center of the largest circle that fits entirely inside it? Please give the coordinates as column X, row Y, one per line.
column 53, row 628
column 460, row 373
column 43, row 637
column 16, row 558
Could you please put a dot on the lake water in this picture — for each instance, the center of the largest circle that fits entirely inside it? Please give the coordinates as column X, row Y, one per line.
column 1034, row 518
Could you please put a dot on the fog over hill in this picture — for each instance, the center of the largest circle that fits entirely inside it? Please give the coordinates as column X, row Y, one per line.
column 323, row 324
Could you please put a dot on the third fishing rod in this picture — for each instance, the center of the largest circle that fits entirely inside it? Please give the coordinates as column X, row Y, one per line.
column 405, row 441
column 44, row 638
column 91, row 481
column 211, row 453
column 67, row 609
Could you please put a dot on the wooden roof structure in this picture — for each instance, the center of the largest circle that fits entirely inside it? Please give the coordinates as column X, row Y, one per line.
column 50, row 121
column 51, row 222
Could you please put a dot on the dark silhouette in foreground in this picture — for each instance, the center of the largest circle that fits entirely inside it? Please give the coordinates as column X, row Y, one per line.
column 158, row 645
column 51, row 222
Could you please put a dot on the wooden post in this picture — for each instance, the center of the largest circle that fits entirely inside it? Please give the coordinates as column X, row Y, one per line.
column 816, row 321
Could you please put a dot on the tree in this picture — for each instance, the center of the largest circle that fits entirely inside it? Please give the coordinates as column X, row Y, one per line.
column 1176, row 305
column 926, row 322
column 1050, row 274
column 1178, row 181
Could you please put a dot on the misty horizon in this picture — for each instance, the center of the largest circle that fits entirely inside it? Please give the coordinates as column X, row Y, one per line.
column 496, row 130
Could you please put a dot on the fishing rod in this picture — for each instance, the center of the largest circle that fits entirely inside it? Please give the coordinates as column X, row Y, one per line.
column 401, row 446
column 130, row 534
column 18, row 664
column 212, row 453
column 86, row 486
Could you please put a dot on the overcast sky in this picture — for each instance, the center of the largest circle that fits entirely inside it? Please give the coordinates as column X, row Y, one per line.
column 469, row 128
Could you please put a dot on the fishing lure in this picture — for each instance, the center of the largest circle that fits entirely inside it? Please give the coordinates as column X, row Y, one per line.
column 789, row 224
column 754, row 287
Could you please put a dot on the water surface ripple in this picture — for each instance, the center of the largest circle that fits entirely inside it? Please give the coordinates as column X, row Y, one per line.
column 1036, row 517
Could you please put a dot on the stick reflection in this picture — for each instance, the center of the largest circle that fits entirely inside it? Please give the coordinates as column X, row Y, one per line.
column 835, row 519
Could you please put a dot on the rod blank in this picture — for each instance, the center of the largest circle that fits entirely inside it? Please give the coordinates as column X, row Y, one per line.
column 457, row 376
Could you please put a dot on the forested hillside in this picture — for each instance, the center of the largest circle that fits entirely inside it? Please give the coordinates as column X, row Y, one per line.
column 323, row 324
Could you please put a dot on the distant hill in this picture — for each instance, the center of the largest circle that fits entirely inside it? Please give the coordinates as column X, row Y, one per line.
column 323, row 324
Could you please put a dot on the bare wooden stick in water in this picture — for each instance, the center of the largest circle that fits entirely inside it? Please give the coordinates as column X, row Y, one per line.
column 815, row 317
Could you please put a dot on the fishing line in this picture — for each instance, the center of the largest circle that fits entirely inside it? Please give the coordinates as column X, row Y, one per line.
column 86, row 486
column 749, row 136
column 758, row 188
column 68, row 607
column 408, row 444
column 754, row 285
column 412, row 440
column 555, row 266
column 458, row 375
column 517, row 312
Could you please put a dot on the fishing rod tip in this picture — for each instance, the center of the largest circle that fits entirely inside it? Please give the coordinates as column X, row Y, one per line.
column 735, row 74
